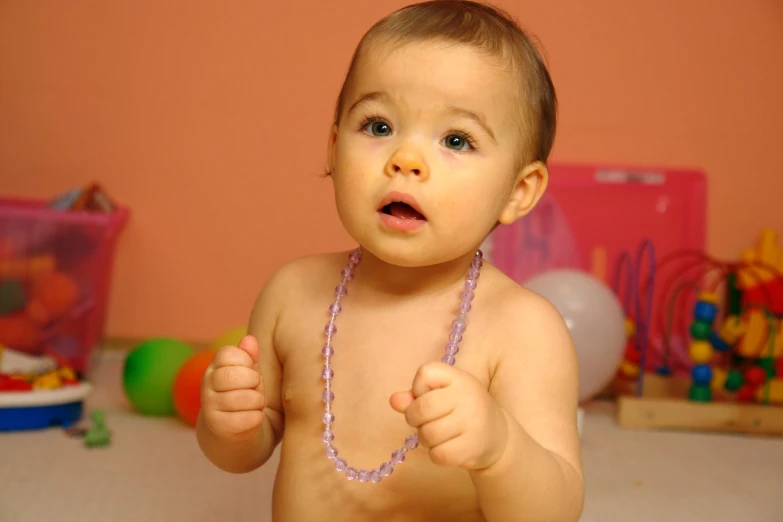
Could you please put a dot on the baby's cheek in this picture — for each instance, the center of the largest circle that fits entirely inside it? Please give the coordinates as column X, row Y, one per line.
column 363, row 149
column 473, row 207
column 449, row 160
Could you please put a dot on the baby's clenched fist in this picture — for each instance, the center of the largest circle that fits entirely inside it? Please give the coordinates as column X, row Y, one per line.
column 232, row 392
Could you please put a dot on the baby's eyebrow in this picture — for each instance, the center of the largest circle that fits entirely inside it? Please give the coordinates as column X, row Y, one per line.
column 370, row 96
column 478, row 118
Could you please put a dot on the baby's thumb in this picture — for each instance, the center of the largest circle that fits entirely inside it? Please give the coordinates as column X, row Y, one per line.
column 401, row 400
column 249, row 345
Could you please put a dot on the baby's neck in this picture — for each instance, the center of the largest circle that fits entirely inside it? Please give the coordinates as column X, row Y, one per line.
column 383, row 279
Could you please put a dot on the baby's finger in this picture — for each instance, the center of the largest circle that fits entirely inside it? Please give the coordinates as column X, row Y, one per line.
column 432, row 376
column 232, row 356
column 456, row 451
column 430, row 407
column 238, row 425
column 239, row 400
column 437, row 432
column 229, row 378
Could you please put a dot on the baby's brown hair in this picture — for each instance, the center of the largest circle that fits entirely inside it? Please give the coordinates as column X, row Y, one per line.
column 489, row 29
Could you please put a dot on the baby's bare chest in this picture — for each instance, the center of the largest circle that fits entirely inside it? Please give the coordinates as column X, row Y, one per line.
column 375, row 355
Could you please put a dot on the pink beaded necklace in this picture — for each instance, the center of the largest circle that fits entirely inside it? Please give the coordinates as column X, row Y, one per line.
column 458, row 327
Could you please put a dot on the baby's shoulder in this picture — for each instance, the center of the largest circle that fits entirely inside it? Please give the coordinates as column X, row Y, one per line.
column 311, row 265
column 526, row 337
column 301, row 277
column 293, row 286
column 519, row 314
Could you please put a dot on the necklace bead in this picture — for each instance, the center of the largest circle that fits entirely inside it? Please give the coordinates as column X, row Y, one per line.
column 458, row 327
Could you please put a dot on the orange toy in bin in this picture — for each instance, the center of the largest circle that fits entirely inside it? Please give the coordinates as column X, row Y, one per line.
column 7, row 248
column 19, row 331
column 53, row 296
column 25, row 268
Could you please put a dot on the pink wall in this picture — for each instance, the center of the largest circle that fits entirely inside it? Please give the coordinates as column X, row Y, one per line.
column 209, row 119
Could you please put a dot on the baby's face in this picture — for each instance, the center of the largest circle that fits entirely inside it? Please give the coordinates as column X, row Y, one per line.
column 426, row 153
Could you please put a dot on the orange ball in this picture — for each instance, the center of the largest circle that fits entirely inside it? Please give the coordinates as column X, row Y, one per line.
column 187, row 385
column 19, row 332
column 53, row 296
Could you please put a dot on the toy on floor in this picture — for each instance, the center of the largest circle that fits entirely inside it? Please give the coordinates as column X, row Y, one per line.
column 35, row 374
column 187, row 385
column 149, row 372
column 735, row 348
column 38, row 395
column 163, row 376
column 98, row 434
column 731, row 348
column 14, row 361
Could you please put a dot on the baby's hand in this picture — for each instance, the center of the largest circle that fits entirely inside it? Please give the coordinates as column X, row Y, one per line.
column 232, row 392
column 456, row 418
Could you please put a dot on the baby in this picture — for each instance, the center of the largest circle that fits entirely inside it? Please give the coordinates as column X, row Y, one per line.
column 409, row 380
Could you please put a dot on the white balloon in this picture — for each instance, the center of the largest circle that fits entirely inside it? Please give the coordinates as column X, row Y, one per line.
column 594, row 317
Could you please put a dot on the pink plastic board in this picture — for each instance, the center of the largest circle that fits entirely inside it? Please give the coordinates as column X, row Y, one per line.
column 589, row 206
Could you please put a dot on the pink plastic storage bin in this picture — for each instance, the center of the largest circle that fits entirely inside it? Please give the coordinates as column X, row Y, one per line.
column 35, row 242
column 615, row 208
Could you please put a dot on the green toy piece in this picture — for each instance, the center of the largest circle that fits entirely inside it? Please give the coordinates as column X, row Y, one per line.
column 734, row 381
column 700, row 330
column 768, row 364
column 12, row 297
column 98, row 435
column 700, row 393
column 733, row 295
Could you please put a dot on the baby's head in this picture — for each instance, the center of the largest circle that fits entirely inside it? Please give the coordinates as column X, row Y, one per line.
column 447, row 112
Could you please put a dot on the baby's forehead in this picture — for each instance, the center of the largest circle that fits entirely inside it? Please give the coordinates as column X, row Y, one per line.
column 414, row 51
column 432, row 71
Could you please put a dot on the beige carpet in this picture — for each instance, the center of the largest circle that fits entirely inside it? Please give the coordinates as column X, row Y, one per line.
column 153, row 471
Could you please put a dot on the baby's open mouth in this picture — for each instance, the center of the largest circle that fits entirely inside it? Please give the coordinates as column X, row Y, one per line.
column 402, row 211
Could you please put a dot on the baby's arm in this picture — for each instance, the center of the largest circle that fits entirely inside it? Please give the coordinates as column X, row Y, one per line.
column 233, row 432
column 539, row 477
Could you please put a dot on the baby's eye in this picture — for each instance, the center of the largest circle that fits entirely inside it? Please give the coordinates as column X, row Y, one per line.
column 378, row 128
column 458, row 142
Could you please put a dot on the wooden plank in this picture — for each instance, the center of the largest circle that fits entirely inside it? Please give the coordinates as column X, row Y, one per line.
column 680, row 414
column 658, row 386
column 654, row 386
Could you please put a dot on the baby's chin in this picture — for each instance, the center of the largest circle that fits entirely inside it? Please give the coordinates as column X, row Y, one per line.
column 413, row 254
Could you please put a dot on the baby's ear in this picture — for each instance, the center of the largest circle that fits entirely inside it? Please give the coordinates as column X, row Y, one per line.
column 529, row 186
column 330, row 150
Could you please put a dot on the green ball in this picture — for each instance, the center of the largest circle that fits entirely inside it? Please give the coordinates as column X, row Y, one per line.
column 149, row 373
column 700, row 393
column 734, row 380
column 700, row 330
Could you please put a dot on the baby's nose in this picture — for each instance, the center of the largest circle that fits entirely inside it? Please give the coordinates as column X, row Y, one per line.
column 407, row 160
